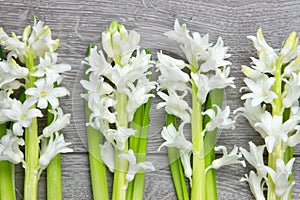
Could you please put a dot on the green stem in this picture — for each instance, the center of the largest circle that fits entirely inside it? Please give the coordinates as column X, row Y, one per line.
column 198, row 179
column 54, row 184
column 7, row 184
column 121, row 164
column 176, row 166
column 97, row 167
column 276, row 110
column 215, row 98
column 31, row 143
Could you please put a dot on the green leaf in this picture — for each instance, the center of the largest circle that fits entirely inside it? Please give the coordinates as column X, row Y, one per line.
column 97, row 168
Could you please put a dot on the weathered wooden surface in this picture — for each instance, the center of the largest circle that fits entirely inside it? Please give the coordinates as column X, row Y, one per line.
column 77, row 23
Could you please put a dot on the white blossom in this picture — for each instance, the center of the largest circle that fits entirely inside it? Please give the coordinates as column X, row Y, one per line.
column 255, row 158
column 227, row 159
column 175, row 138
column 36, row 39
column 48, row 67
column 252, row 113
column 272, row 129
column 202, row 83
column 256, row 185
column 251, row 73
column 45, row 92
column 107, row 152
column 10, row 71
column 192, row 47
column 134, row 167
column 267, row 55
column 119, row 137
column 215, row 57
column 219, row 118
column 261, row 90
column 293, row 66
column 134, row 70
column 175, row 105
column 97, row 63
column 101, row 110
column 9, row 148
column 60, row 121
column 55, row 146
column 21, row 114
column 171, row 74
column 119, row 44
column 294, row 139
column 281, row 176
column 96, row 88
column 291, row 91
column 138, row 95
column 290, row 48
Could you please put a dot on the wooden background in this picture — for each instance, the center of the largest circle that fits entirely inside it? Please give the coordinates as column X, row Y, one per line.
column 77, row 23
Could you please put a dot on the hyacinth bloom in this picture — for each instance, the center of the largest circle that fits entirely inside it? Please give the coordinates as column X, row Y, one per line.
column 117, row 96
column 32, row 67
column 272, row 81
column 207, row 71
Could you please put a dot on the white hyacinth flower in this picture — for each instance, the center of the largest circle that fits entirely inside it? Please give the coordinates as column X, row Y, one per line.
column 215, row 57
column 290, row 48
column 202, row 83
column 45, row 92
column 107, row 152
column 137, row 68
column 102, row 110
column 96, row 88
column 49, row 68
column 134, row 167
column 36, row 39
column 206, row 84
column 251, row 73
column 10, row 71
column 118, row 43
column 175, row 105
column 255, row 158
column 261, row 90
column 252, row 113
column 227, row 159
column 175, row 138
column 267, row 55
column 171, row 76
column 256, row 185
column 272, row 129
column 97, row 63
column 21, row 114
column 9, row 148
column 138, row 95
column 294, row 139
column 291, row 91
column 219, row 118
column 60, row 121
column 55, row 146
column 281, row 176
column 293, row 66
column 192, row 47
column 119, row 137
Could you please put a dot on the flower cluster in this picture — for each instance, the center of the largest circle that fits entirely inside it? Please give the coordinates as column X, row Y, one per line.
column 31, row 68
column 207, row 69
column 272, row 79
column 117, row 86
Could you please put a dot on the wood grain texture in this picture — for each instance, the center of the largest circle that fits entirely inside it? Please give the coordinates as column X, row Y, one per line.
column 77, row 23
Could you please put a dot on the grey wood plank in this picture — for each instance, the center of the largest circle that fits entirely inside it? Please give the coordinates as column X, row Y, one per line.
column 77, row 23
